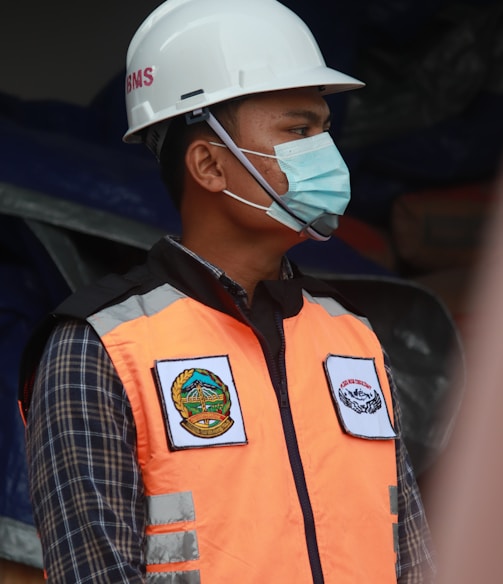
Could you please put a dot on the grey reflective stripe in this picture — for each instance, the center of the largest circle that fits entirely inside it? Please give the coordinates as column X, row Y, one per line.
column 170, row 508
column 396, row 541
column 393, row 499
column 145, row 305
column 334, row 308
column 192, row 577
column 163, row 548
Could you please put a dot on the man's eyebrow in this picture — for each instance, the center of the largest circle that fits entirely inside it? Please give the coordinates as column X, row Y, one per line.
column 309, row 115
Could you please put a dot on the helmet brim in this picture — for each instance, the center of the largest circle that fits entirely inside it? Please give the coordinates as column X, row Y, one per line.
column 328, row 80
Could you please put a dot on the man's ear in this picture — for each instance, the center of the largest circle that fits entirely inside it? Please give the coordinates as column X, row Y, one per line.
column 204, row 163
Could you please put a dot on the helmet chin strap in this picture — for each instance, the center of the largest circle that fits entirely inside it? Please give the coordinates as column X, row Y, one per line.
column 222, row 133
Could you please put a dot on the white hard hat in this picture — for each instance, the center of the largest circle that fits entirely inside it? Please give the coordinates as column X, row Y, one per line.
column 189, row 54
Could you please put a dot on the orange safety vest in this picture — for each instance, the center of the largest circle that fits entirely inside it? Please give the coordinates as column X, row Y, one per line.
column 223, row 510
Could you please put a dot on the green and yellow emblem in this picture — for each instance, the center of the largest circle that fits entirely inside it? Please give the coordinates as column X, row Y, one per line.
column 204, row 402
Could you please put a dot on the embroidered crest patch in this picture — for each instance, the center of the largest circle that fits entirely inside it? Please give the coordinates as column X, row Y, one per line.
column 200, row 402
column 358, row 397
column 203, row 401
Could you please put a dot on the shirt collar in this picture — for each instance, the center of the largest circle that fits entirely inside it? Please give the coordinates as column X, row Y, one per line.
column 232, row 286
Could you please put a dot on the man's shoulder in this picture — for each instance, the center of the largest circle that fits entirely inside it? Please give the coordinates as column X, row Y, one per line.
column 112, row 288
column 84, row 302
column 108, row 290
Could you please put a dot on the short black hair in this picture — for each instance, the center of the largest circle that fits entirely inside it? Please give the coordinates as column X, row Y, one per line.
column 180, row 135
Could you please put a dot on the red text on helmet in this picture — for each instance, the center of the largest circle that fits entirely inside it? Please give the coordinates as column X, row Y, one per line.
column 141, row 78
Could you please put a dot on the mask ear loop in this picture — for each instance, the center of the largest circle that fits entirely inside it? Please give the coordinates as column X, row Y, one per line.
column 241, row 200
column 222, row 133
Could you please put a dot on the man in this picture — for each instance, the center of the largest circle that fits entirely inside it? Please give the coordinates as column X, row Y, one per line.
column 213, row 415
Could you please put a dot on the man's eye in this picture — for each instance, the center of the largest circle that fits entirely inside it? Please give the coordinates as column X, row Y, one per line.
column 302, row 131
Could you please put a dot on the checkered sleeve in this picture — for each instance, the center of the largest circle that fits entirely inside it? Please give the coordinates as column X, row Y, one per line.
column 85, row 482
column 415, row 558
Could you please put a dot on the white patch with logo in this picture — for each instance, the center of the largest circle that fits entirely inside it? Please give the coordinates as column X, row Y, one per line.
column 358, row 397
column 200, row 401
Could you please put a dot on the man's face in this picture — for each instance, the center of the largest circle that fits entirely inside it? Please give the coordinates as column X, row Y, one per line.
column 266, row 120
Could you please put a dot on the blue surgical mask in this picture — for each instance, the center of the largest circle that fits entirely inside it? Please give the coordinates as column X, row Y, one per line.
column 318, row 184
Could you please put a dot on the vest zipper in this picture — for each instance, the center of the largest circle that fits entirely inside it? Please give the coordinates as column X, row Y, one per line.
column 277, row 371
column 278, row 377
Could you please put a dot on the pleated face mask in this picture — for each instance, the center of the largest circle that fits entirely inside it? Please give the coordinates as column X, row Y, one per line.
column 318, row 185
column 318, row 182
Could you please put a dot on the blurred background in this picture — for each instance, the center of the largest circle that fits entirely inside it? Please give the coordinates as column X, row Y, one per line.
column 423, row 141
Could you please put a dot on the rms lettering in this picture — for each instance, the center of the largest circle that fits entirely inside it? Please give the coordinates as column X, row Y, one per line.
column 140, row 78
